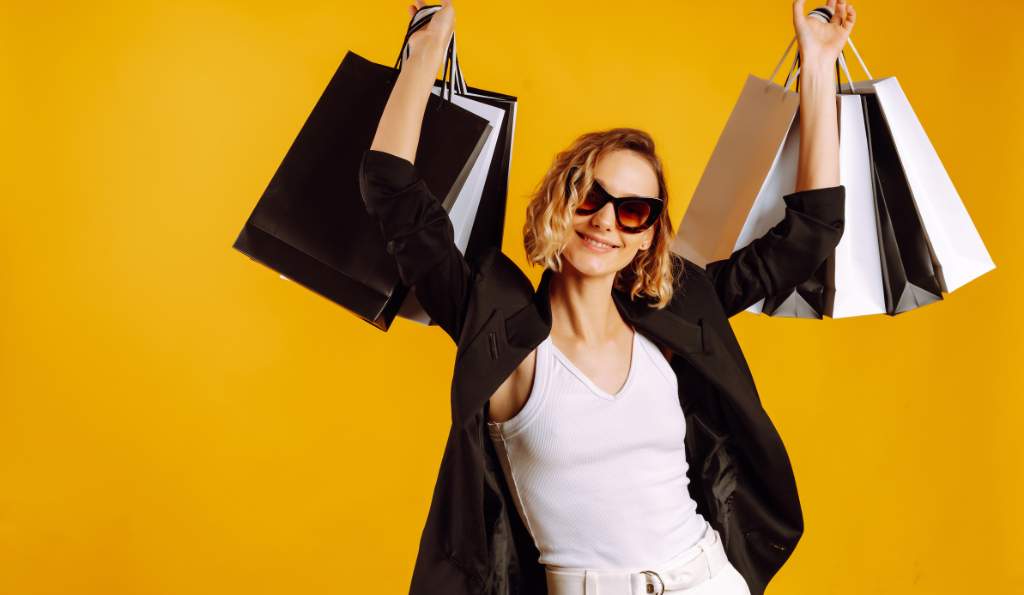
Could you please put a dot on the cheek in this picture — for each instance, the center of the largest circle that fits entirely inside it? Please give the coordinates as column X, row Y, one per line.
column 632, row 242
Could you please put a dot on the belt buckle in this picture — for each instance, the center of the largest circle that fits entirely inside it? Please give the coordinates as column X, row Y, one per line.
column 650, row 587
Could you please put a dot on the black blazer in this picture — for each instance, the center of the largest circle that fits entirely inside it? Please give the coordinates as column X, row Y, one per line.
column 739, row 472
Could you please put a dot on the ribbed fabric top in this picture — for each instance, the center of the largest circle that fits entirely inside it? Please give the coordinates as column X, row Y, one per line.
column 599, row 478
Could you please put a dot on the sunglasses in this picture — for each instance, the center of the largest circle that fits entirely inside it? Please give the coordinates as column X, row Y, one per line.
column 632, row 213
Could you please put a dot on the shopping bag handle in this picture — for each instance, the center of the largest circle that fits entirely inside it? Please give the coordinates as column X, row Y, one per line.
column 794, row 68
column 842, row 63
column 452, row 79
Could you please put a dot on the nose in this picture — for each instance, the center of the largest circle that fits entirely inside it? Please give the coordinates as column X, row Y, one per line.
column 604, row 218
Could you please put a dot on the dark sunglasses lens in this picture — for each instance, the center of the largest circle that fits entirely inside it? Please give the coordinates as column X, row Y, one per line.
column 634, row 213
column 591, row 202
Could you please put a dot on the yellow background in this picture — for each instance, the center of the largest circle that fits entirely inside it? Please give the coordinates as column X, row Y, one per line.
column 175, row 418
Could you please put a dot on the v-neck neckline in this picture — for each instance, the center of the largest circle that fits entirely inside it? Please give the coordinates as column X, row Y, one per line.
column 597, row 390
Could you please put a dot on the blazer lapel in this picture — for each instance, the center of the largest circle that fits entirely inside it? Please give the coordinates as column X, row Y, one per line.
column 524, row 330
column 679, row 334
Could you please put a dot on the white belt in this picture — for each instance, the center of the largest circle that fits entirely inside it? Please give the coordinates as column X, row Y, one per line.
column 688, row 569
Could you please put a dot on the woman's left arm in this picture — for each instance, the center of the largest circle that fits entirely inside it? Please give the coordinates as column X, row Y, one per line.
column 820, row 45
column 793, row 249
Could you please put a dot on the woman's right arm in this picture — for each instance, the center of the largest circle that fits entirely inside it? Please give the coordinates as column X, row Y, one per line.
column 398, row 132
column 416, row 228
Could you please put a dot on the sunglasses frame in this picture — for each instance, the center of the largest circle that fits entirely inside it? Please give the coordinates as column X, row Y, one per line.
column 656, row 205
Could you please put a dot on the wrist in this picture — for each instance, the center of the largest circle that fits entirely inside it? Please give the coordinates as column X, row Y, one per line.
column 817, row 78
column 422, row 62
column 815, row 66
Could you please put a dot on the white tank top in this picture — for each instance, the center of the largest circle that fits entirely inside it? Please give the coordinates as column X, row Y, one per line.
column 600, row 479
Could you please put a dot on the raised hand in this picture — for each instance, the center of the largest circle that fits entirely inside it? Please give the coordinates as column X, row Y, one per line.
column 821, row 42
column 430, row 42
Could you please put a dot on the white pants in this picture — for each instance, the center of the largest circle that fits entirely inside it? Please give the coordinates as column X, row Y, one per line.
column 728, row 581
column 704, row 569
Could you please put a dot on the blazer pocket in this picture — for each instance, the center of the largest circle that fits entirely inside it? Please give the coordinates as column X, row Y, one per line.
column 477, row 368
column 718, row 468
column 486, row 334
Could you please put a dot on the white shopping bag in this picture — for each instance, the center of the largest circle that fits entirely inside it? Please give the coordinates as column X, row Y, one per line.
column 858, row 273
column 954, row 238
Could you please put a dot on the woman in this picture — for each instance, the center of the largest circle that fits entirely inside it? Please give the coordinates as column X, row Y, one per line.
column 566, row 469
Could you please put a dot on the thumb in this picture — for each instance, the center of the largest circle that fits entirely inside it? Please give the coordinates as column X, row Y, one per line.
column 798, row 10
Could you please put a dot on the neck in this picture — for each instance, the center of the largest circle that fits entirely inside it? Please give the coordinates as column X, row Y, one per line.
column 582, row 307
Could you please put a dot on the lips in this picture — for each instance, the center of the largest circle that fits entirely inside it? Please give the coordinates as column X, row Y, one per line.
column 608, row 245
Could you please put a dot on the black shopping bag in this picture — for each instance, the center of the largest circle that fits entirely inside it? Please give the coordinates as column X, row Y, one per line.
column 910, row 276
column 813, row 298
column 311, row 224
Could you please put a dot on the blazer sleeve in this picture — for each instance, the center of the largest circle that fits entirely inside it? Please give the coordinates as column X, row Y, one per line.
column 785, row 256
column 419, row 234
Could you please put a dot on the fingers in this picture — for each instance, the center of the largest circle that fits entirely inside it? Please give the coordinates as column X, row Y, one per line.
column 840, row 17
column 851, row 17
column 831, row 5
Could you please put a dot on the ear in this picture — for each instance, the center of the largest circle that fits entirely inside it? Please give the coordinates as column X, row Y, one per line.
column 648, row 239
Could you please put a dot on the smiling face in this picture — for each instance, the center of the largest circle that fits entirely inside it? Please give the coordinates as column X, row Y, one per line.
column 622, row 173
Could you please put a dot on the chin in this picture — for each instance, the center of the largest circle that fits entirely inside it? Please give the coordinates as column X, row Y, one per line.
column 591, row 264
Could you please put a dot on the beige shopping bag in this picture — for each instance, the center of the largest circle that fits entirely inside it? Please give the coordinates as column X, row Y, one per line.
column 747, row 151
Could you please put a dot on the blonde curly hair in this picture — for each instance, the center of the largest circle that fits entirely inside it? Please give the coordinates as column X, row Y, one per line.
column 549, row 215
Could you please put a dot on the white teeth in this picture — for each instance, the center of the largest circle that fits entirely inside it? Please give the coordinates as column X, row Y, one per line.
column 596, row 243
